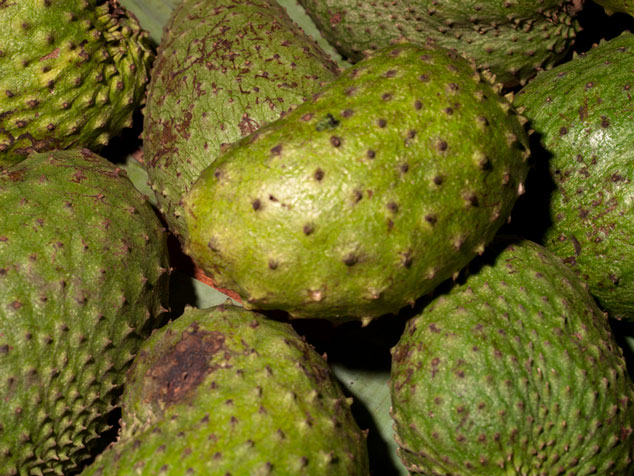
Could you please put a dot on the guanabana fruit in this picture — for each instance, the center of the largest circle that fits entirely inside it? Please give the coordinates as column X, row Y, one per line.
column 83, row 276
column 72, row 72
column 583, row 112
column 514, row 39
column 513, row 371
column 222, row 70
column 225, row 391
column 383, row 185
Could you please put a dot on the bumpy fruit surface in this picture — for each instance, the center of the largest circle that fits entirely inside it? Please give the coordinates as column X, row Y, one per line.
column 513, row 371
column 71, row 74
column 83, row 277
column 386, row 183
column 514, row 39
column 227, row 391
column 223, row 69
column 583, row 113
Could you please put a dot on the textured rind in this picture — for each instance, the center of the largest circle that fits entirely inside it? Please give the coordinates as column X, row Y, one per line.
column 514, row 39
column 367, row 196
column 513, row 371
column 227, row 391
column 223, row 69
column 83, row 276
column 71, row 74
column 583, row 113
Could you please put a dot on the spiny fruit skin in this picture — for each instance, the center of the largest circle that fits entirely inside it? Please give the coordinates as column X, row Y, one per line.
column 71, row 74
column 83, row 275
column 514, row 39
column 225, row 391
column 359, row 201
column 223, row 69
column 583, row 113
column 513, row 371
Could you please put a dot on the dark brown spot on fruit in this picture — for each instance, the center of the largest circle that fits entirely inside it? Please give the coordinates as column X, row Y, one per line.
column 181, row 368
column 256, row 204
column 319, row 175
column 441, row 145
column 308, row 229
column 350, row 259
column 381, row 123
column 370, row 154
column 335, row 141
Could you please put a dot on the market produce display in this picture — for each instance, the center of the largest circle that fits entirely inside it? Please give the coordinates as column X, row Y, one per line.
column 72, row 73
column 365, row 191
column 83, row 280
column 228, row 391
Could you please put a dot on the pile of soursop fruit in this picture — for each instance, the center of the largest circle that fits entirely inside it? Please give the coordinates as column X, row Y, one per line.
column 350, row 184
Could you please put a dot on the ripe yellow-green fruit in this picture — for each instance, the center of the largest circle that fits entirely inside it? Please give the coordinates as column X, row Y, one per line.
column 72, row 72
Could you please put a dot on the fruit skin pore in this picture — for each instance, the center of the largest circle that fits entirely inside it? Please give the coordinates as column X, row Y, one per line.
column 71, row 74
column 513, row 39
column 582, row 112
column 514, row 370
column 83, row 280
column 383, row 185
column 223, row 69
column 227, row 391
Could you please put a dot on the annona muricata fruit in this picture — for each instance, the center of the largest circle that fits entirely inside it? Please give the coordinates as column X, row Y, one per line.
column 72, row 72
column 514, row 370
column 514, row 39
column 83, row 276
column 223, row 69
column 384, row 184
column 583, row 113
column 225, row 391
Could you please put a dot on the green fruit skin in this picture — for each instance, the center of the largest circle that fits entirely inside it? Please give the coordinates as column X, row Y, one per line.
column 361, row 200
column 227, row 391
column 513, row 371
column 223, row 69
column 512, row 39
column 583, row 112
column 83, row 279
column 71, row 74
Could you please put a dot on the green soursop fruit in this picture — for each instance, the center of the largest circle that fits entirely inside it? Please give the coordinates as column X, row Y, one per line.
column 225, row 391
column 513, row 371
column 359, row 201
column 83, row 275
column 222, row 70
column 583, row 112
column 71, row 74
column 514, row 39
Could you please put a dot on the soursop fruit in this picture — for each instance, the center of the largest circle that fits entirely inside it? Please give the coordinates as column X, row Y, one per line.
column 583, row 113
column 224, row 391
column 71, row 74
column 83, row 279
column 513, row 39
column 514, row 370
column 223, row 69
column 383, row 185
